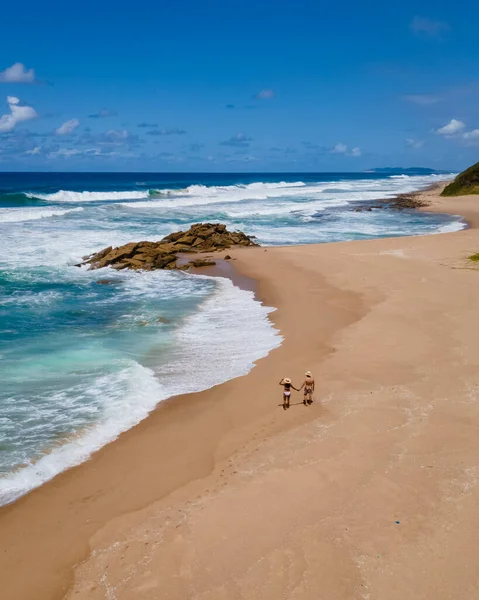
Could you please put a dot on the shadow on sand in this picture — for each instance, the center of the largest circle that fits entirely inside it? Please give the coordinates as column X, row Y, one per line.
column 295, row 404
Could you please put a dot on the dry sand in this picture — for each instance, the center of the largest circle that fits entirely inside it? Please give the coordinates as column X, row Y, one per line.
column 370, row 493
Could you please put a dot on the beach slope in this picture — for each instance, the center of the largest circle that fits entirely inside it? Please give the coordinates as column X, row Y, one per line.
column 371, row 492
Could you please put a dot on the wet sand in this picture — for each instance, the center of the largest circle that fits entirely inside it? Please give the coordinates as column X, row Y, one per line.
column 371, row 492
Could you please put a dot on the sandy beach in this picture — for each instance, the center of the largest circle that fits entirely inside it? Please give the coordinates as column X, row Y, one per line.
column 369, row 493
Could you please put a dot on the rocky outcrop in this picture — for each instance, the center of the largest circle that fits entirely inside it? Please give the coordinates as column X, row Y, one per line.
column 207, row 237
column 148, row 256
column 400, row 202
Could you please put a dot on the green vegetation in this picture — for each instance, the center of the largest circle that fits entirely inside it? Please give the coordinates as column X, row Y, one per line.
column 466, row 182
column 474, row 257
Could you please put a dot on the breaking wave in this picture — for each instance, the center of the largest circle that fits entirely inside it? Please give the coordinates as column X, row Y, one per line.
column 69, row 196
column 18, row 215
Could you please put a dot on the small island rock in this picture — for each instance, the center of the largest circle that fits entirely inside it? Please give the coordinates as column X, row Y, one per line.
column 148, row 256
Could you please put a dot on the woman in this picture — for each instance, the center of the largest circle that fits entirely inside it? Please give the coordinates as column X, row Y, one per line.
column 287, row 385
column 308, row 385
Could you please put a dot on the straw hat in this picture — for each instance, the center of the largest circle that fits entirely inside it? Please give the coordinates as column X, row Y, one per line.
column 308, row 373
column 286, row 380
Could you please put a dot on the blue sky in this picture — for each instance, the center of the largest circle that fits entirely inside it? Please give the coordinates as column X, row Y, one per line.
column 238, row 86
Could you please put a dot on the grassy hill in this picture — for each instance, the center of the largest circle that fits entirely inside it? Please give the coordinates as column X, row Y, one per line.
column 466, row 182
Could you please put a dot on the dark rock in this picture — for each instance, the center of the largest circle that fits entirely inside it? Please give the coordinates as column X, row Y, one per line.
column 163, row 320
column 101, row 254
column 406, row 201
column 132, row 263
column 173, row 237
column 161, row 261
column 401, row 202
column 202, row 262
column 185, row 240
column 227, row 257
column 108, row 281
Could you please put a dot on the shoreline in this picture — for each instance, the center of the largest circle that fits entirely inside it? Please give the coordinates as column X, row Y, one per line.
column 93, row 498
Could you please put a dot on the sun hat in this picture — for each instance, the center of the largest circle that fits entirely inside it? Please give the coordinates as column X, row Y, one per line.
column 286, row 380
column 308, row 373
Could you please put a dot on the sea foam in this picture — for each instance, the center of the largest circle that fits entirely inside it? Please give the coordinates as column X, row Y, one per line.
column 209, row 350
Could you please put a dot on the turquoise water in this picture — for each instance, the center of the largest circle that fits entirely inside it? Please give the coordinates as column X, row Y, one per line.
column 82, row 361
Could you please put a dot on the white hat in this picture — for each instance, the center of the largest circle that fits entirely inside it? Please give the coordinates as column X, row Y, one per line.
column 308, row 373
column 286, row 380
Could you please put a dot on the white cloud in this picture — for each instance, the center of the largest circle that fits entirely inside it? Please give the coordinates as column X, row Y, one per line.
column 454, row 126
column 18, row 113
column 412, row 143
column 35, row 150
column 67, row 127
column 17, row 73
column 471, row 135
column 343, row 149
column 340, row 149
column 456, row 130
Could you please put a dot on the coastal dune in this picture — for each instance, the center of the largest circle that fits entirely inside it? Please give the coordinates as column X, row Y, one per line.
column 370, row 493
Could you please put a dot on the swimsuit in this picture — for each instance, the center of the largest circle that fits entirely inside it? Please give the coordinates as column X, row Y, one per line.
column 287, row 389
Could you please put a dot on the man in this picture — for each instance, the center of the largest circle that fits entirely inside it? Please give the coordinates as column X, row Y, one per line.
column 308, row 385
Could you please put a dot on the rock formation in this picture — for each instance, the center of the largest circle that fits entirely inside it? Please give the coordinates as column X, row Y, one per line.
column 148, row 256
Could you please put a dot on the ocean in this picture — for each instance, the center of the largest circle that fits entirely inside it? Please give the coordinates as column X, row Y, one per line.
column 83, row 361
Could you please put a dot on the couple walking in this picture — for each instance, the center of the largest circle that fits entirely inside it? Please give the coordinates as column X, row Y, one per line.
column 308, row 385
